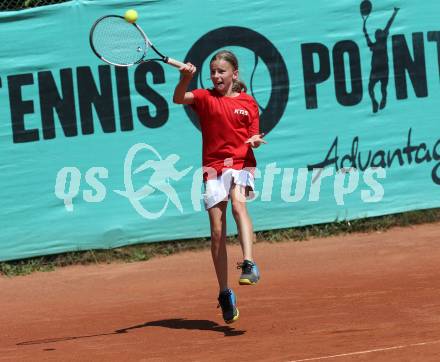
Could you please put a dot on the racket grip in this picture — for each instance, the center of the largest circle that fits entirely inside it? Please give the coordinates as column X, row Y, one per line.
column 174, row 62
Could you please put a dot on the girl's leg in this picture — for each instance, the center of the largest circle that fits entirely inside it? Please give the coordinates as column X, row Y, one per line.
column 242, row 219
column 217, row 219
column 250, row 274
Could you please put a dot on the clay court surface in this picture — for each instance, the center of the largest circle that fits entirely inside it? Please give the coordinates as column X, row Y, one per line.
column 363, row 297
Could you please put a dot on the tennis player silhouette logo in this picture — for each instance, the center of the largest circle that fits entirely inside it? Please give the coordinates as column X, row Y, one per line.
column 163, row 170
column 379, row 56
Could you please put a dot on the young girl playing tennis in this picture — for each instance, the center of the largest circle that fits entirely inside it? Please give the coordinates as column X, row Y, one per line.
column 229, row 122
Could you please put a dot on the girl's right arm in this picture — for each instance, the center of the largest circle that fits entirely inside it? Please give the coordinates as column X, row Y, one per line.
column 181, row 96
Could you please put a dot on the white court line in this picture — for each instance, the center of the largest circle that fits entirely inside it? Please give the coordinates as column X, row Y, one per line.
column 369, row 351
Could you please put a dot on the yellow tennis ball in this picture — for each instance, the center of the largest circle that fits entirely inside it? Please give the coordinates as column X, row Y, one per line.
column 131, row 15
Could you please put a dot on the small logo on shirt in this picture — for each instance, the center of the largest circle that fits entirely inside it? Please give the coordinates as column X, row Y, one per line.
column 241, row 111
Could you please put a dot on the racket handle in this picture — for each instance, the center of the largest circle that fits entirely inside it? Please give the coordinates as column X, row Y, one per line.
column 174, row 62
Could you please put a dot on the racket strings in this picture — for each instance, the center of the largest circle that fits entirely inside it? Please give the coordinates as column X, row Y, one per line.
column 118, row 41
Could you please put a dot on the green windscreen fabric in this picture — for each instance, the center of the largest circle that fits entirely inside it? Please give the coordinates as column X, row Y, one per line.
column 94, row 156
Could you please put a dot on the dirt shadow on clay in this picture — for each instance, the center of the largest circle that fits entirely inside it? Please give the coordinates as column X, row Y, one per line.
column 176, row 323
column 191, row 324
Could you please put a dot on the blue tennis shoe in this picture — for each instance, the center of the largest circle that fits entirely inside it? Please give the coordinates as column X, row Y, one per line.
column 228, row 303
column 250, row 274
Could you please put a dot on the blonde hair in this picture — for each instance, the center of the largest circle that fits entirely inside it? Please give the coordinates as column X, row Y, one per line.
column 228, row 56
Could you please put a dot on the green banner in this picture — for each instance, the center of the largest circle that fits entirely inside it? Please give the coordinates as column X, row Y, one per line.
column 97, row 156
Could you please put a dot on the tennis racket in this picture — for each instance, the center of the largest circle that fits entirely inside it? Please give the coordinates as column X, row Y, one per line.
column 118, row 42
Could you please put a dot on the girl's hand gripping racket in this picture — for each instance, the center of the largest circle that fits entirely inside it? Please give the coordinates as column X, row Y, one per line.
column 118, row 42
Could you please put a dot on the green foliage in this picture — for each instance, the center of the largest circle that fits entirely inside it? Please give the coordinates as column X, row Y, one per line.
column 25, row 4
column 143, row 252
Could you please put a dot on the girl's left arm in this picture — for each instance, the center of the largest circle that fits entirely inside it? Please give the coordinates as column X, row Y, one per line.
column 255, row 137
column 254, row 124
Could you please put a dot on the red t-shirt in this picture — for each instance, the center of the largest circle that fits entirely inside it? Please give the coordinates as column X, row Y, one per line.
column 226, row 124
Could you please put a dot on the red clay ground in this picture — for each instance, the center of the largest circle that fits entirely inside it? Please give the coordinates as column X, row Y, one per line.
column 364, row 297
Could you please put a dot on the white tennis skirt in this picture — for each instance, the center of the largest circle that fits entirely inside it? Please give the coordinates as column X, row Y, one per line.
column 219, row 189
